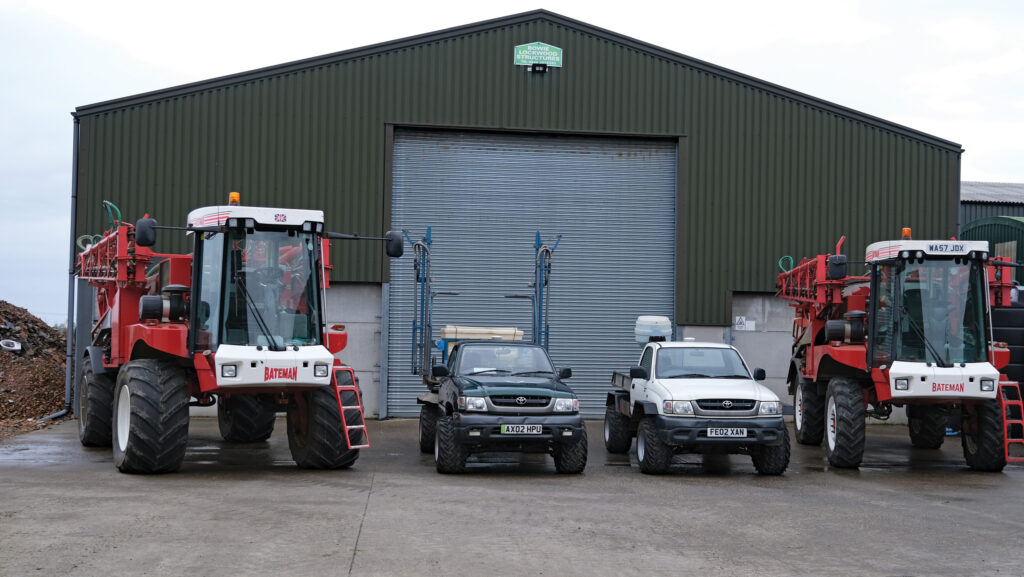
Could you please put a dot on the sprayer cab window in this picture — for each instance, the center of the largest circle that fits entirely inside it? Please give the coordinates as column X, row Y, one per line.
column 259, row 288
column 940, row 312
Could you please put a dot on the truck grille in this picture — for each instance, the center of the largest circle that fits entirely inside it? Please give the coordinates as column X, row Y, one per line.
column 726, row 404
column 513, row 401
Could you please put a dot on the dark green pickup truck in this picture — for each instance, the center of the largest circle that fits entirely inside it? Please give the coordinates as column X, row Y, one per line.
column 499, row 396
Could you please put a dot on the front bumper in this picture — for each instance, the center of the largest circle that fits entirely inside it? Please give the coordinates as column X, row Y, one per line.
column 692, row 431
column 482, row 432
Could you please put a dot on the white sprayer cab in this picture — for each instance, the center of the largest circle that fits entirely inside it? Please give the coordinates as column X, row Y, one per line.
column 246, row 366
column 910, row 380
column 260, row 295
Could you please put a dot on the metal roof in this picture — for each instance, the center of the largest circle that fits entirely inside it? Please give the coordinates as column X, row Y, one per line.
column 995, row 192
column 531, row 16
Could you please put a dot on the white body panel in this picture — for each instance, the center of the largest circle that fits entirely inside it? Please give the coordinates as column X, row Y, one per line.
column 887, row 249
column 266, row 368
column 217, row 215
column 657, row 390
column 936, row 382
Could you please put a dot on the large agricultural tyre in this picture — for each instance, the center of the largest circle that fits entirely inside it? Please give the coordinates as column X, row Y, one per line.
column 571, row 458
column 245, row 418
column 617, row 436
column 428, row 427
column 844, row 423
column 927, row 426
column 772, row 460
column 652, row 453
column 982, row 437
column 808, row 412
column 150, row 428
column 449, row 454
column 94, row 406
column 316, row 437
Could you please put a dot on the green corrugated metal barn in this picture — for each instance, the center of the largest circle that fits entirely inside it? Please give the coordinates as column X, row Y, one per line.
column 676, row 184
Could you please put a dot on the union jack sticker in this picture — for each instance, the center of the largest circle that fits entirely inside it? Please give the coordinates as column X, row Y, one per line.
column 279, row 217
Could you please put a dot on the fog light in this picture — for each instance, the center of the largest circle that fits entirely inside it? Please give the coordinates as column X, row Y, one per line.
column 229, row 371
column 320, row 370
column 567, row 433
column 903, row 384
column 474, row 432
column 988, row 385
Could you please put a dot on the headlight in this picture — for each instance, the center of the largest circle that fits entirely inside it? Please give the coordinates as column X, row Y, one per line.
column 678, row 408
column 770, row 408
column 472, row 404
column 903, row 384
column 320, row 370
column 988, row 385
column 229, row 371
column 567, row 405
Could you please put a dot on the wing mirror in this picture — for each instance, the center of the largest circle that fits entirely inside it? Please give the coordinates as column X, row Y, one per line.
column 393, row 244
column 145, row 231
column 759, row 374
column 565, row 373
column 638, row 373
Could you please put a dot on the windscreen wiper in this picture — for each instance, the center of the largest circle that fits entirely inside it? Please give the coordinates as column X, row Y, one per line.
column 262, row 324
column 939, row 360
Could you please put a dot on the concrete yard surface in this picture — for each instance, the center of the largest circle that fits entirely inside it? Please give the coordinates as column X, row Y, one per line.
column 247, row 510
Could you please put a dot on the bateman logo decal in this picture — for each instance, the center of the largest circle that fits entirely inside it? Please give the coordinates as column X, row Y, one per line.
column 292, row 374
column 947, row 387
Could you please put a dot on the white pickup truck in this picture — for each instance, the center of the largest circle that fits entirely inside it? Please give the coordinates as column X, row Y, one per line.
column 692, row 397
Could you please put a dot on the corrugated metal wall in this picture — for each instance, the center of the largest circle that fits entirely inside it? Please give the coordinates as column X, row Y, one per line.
column 972, row 211
column 765, row 171
column 485, row 197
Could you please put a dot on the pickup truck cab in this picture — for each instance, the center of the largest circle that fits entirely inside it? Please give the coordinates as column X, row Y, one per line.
column 693, row 397
column 496, row 396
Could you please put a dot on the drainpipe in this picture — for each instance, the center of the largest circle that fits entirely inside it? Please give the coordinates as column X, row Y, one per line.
column 70, row 323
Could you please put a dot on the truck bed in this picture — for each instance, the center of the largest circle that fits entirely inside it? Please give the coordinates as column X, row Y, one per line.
column 621, row 380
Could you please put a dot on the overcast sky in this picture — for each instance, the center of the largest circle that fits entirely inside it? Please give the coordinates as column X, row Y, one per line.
column 952, row 69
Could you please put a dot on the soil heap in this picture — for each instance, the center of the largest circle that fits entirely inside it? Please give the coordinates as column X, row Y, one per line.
column 32, row 378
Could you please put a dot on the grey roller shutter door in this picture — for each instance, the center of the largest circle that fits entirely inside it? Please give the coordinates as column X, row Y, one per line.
column 486, row 195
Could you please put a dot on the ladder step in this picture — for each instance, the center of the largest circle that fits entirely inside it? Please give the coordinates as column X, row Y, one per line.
column 350, row 427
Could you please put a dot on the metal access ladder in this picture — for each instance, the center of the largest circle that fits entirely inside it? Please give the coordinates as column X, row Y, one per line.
column 350, row 405
column 1013, row 421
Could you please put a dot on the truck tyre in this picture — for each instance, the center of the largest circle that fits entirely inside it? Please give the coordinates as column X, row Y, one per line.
column 617, row 436
column 772, row 460
column 428, row 428
column 245, row 418
column 654, row 455
column 449, row 454
column 150, row 424
column 844, row 423
column 808, row 412
column 315, row 435
column 927, row 427
column 94, row 406
column 982, row 438
column 571, row 458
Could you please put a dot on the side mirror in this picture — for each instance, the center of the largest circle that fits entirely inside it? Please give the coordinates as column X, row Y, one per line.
column 145, row 231
column 438, row 371
column 565, row 373
column 638, row 373
column 759, row 374
column 393, row 244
